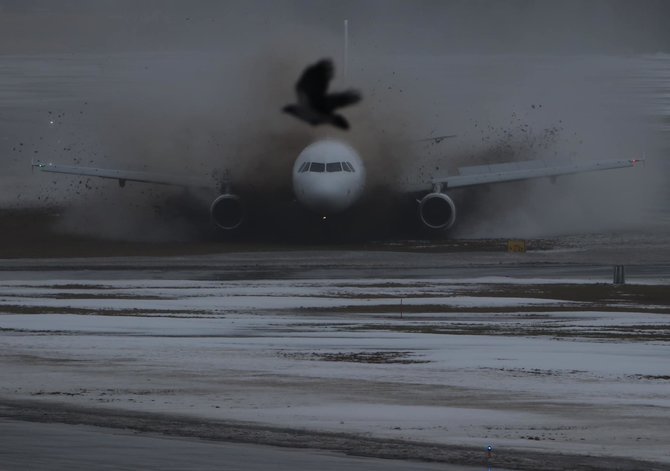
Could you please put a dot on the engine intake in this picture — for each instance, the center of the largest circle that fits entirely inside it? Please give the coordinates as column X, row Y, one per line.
column 227, row 211
column 437, row 211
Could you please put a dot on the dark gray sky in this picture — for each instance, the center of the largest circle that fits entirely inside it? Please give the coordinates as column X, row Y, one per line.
column 386, row 26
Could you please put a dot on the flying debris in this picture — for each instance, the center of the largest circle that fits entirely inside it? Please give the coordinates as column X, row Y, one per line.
column 314, row 105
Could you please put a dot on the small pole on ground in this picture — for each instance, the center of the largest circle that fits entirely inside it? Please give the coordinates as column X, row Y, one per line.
column 619, row 275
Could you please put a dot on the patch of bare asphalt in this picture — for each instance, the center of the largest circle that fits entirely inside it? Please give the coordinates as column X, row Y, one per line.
column 352, row 444
column 644, row 332
column 135, row 312
column 377, row 357
column 603, row 293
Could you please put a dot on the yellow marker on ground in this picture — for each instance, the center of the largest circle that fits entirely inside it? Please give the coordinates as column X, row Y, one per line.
column 516, row 246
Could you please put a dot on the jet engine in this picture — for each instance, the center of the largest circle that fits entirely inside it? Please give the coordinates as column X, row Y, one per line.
column 437, row 211
column 227, row 211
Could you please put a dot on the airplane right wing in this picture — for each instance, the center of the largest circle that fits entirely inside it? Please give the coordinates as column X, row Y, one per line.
column 125, row 175
column 227, row 211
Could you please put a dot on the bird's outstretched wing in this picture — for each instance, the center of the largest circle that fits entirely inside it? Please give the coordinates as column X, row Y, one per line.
column 340, row 99
column 314, row 80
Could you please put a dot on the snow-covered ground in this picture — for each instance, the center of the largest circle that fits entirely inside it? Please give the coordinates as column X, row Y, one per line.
column 452, row 362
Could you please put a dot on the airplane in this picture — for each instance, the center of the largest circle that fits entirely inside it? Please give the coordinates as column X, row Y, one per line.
column 329, row 178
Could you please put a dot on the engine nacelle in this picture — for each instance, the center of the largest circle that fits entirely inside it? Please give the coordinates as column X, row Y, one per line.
column 437, row 211
column 227, row 211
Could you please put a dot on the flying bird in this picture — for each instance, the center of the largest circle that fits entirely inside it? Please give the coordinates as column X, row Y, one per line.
column 315, row 105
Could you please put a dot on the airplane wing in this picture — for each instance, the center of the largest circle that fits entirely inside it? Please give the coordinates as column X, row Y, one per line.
column 437, row 139
column 515, row 171
column 125, row 175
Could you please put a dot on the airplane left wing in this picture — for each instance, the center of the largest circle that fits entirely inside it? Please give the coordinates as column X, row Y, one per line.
column 515, row 171
column 125, row 175
column 437, row 210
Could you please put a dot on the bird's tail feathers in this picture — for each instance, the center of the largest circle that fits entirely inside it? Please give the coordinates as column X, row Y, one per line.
column 340, row 99
column 339, row 122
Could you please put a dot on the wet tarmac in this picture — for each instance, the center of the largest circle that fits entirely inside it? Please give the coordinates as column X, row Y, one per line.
column 60, row 447
column 646, row 256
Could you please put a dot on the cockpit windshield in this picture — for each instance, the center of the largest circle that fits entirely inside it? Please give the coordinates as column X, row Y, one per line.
column 333, row 167
column 329, row 167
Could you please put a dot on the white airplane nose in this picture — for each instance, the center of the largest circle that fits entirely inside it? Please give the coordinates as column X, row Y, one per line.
column 327, row 198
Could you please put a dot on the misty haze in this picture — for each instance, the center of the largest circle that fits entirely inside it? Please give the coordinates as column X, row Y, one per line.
column 197, row 92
